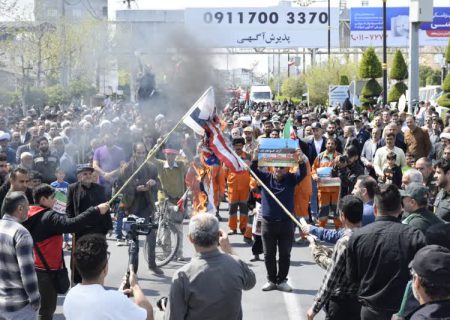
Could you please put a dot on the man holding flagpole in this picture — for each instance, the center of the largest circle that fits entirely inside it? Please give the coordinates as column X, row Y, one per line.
column 277, row 227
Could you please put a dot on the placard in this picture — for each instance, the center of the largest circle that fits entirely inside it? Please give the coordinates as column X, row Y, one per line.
column 268, row 27
column 277, row 152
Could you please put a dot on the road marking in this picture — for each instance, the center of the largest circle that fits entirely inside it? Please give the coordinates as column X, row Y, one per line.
column 293, row 307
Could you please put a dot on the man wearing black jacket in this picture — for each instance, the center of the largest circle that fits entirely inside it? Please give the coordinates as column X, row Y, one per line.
column 46, row 228
column 378, row 256
column 81, row 196
column 348, row 169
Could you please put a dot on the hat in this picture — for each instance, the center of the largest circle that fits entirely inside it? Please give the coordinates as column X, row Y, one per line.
column 316, row 125
column 432, row 263
column 415, row 191
column 170, row 151
column 4, row 136
column 445, row 135
column 84, row 167
column 248, row 129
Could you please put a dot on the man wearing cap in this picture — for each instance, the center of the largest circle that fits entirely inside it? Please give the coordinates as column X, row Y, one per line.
column 415, row 201
column 171, row 173
column 81, row 196
column 431, row 283
column 5, row 148
column 238, row 191
column 250, row 143
column 362, row 135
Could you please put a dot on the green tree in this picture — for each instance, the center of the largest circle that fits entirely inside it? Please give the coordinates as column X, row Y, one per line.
column 399, row 72
column 80, row 88
column 320, row 77
column 447, row 53
column 293, row 87
column 396, row 91
column 344, row 81
column 56, row 95
column 444, row 100
column 429, row 76
column 370, row 68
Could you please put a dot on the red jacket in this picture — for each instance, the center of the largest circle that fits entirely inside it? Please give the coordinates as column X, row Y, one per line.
column 47, row 227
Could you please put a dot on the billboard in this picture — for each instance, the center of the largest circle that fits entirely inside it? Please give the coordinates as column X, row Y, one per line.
column 269, row 27
column 366, row 27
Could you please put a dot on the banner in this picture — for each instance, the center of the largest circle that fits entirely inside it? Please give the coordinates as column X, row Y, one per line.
column 277, row 152
column 366, row 27
column 337, row 95
column 269, row 27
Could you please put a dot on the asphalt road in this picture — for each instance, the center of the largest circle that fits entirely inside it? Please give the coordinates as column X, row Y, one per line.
column 304, row 276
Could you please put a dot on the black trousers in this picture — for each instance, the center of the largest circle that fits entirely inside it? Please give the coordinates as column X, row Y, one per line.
column 343, row 308
column 257, row 247
column 277, row 235
column 48, row 293
column 368, row 313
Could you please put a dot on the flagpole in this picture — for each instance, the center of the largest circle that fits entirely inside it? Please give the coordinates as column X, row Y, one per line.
column 298, row 223
column 152, row 152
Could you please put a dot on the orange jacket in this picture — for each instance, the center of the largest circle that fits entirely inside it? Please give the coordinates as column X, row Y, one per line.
column 324, row 160
column 238, row 183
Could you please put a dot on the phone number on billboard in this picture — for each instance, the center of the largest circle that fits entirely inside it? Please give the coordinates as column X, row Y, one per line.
column 264, row 17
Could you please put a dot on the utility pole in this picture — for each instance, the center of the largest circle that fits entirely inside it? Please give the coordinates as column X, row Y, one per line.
column 419, row 11
column 329, row 30
column 384, row 65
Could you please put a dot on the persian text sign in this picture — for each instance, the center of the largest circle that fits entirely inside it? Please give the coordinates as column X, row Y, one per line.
column 270, row 27
column 366, row 27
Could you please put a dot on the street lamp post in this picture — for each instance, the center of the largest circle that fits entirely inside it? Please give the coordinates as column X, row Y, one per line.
column 384, row 55
column 329, row 30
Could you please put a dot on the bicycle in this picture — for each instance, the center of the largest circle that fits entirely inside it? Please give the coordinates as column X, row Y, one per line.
column 167, row 237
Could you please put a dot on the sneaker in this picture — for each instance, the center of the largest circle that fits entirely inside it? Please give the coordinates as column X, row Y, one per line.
column 156, row 270
column 283, row 286
column 255, row 258
column 120, row 242
column 269, row 286
column 219, row 217
column 248, row 241
column 231, row 232
column 181, row 259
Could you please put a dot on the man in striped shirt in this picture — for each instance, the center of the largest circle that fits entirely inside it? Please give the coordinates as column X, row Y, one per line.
column 19, row 294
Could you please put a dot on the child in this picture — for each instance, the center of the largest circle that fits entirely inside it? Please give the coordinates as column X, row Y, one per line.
column 392, row 172
column 410, row 162
column 61, row 188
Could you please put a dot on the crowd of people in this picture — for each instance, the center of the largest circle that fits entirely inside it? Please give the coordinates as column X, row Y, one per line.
column 374, row 183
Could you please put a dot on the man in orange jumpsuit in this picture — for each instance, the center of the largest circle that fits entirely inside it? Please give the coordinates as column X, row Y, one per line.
column 327, row 195
column 238, row 191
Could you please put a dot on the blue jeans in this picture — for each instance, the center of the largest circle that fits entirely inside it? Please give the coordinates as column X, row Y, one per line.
column 119, row 223
column 26, row 313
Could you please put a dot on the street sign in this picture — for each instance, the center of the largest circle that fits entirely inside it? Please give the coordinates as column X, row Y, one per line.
column 269, row 27
column 337, row 95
